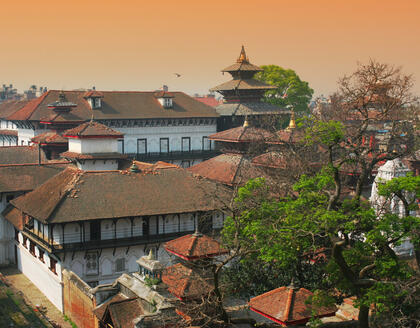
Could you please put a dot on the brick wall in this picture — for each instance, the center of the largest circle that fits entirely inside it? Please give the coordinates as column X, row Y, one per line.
column 78, row 301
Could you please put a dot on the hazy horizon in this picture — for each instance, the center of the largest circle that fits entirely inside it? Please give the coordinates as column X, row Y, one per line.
column 138, row 45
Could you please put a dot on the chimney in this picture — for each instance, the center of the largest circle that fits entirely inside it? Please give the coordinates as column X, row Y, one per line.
column 165, row 88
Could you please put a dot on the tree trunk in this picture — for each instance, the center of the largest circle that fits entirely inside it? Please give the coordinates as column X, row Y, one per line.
column 219, row 298
column 364, row 317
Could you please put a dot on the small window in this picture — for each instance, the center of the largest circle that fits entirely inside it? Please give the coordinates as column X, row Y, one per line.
column 167, row 102
column 41, row 255
column 121, row 146
column 141, row 146
column 53, row 264
column 25, row 240
column 17, row 235
column 206, row 143
column 186, row 144
column 120, row 265
column 22, row 142
column 32, row 248
column 164, row 145
column 96, row 102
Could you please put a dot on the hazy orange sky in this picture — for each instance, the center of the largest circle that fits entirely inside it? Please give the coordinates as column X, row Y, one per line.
column 138, row 45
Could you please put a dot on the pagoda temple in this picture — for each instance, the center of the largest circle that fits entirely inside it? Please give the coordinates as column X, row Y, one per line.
column 242, row 95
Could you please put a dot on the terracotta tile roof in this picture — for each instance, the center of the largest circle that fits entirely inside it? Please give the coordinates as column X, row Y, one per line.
column 21, row 155
column 100, row 310
column 194, row 246
column 93, row 94
column 230, row 169
column 287, row 306
column 22, row 178
column 245, row 84
column 243, row 134
column 73, row 155
column 49, row 138
column 242, row 67
column 291, row 136
column 12, row 133
column 124, row 312
column 209, row 101
column 14, row 216
column 271, row 159
column 75, row 195
column 185, row 283
column 7, row 108
column 115, row 105
column 92, row 129
column 164, row 94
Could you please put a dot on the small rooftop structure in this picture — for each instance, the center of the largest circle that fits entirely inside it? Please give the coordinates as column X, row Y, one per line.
column 195, row 246
column 287, row 306
column 92, row 129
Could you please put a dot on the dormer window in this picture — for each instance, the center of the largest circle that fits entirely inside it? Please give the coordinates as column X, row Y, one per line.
column 167, row 102
column 94, row 98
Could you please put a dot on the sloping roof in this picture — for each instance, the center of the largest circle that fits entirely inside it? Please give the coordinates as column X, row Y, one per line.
column 7, row 108
column 291, row 135
column 186, row 283
column 21, row 155
column 230, row 169
column 93, row 94
column 243, row 134
column 15, row 178
column 272, row 159
column 73, row 155
column 49, row 138
column 100, row 310
column 124, row 312
column 92, row 129
column 242, row 67
column 251, row 108
column 14, row 216
column 287, row 306
column 194, row 246
column 243, row 84
column 209, row 101
column 75, row 195
column 114, row 105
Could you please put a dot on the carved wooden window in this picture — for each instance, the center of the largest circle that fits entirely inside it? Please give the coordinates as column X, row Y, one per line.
column 92, row 263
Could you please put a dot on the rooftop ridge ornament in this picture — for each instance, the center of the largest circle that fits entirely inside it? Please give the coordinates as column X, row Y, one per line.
column 242, row 56
column 62, row 97
column 134, row 168
column 246, row 122
column 292, row 123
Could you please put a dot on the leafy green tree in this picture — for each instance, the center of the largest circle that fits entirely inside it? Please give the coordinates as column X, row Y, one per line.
column 291, row 90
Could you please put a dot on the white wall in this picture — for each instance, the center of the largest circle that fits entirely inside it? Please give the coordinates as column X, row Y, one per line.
column 41, row 276
column 94, row 145
column 174, row 133
column 7, row 235
column 98, row 165
column 26, row 135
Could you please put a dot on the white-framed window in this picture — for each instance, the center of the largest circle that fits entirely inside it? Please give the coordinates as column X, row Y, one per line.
column 96, row 102
column 206, row 143
column 167, row 102
column 186, row 144
column 121, row 146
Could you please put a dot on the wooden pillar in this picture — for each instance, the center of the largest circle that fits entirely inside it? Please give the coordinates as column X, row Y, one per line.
column 157, row 224
column 179, row 222
column 163, row 225
column 81, row 233
column 132, row 222
column 51, row 234
column 62, row 227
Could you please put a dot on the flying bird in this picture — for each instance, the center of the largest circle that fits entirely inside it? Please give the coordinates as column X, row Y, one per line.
column 177, row 74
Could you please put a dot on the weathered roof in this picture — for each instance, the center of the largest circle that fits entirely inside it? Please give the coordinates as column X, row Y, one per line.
column 164, row 94
column 93, row 94
column 243, row 134
column 243, row 84
column 186, row 283
column 242, row 67
column 124, row 312
column 14, row 216
column 230, row 169
column 114, row 105
column 100, row 310
column 75, row 195
column 15, row 178
column 92, row 129
column 9, row 107
column 194, row 246
column 21, row 155
column 49, row 138
column 287, row 306
column 290, row 135
column 210, row 101
column 272, row 159
column 251, row 108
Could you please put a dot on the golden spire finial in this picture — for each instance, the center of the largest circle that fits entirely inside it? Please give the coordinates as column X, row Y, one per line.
column 242, row 56
column 292, row 123
column 246, row 122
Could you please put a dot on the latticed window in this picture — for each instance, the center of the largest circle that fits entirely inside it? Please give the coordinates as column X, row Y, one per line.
column 92, row 263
